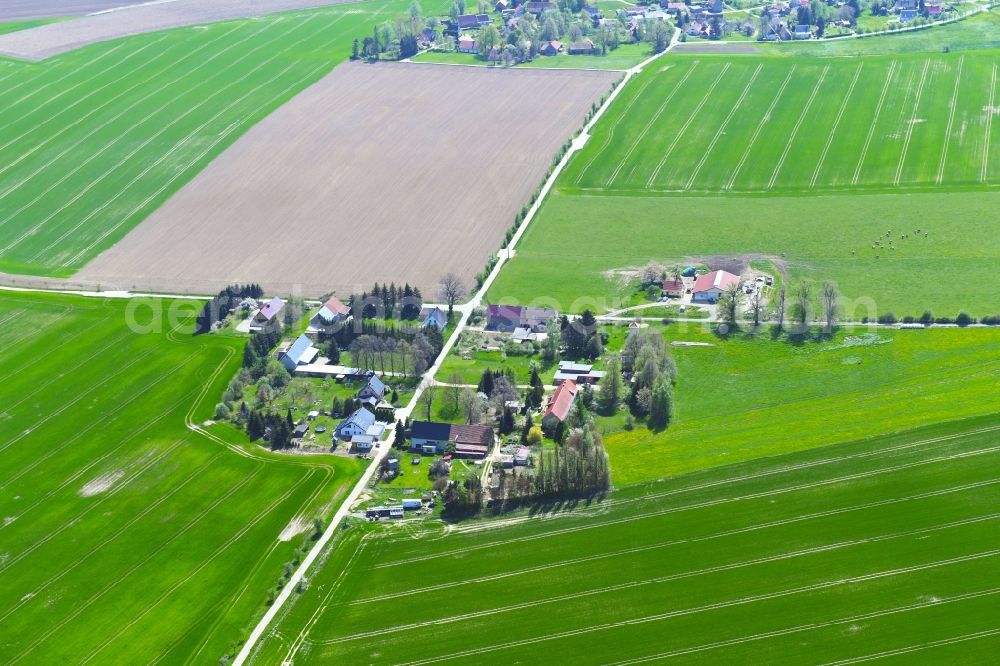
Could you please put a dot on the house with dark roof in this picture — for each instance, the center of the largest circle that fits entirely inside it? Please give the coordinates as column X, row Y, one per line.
column 537, row 8
column 582, row 47
column 429, row 436
column 505, row 318
column 551, row 48
column 301, row 352
column 907, row 15
column 559, row 404
column 803, row 32
column 471, row 441
column 710, row 286
column 581, row 373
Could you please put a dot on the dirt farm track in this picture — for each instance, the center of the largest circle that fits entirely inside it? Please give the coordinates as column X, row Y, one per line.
column 390, row 172
column 23, row 10
column 49, row 40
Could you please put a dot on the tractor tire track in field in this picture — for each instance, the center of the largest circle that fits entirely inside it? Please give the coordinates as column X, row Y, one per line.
column 874, row 122
column 722, row 128
column 926, row 646
column 34, row 333
column 6, row 445
column 82, row 471
column 836, row 124
column 71, row 71
column 120, row 135
column 913, row 121
column 66, row 108
column 951, row 123
column 691, row 118
column 191, row 109
column 798, row 125
column 78, row 609
column 152, row 458
column 80, row 255
column 303, row 636
column 657, row 546
column 648, row 126
column 729, row 481
column 82, row 557
column 611, row 134
column 991, row 111
column 712, row 502
column 853, row 619
column 207, row 561
column 742, row 601
column 760, row 128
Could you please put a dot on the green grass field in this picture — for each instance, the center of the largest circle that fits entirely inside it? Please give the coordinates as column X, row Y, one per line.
column 715, row 124
column 750, row 396
column 125, row 535
column 841, row 553
column 93, row 141
column 814, row 238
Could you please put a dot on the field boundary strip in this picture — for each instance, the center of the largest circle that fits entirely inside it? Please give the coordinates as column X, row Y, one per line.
column 798, row 125
column 687, row 123
column 648, row 126
column 836, row 125
column 824, row 585
column 871, row 128
column 814, row 625
column 760, row 127
column 913, row 121
column 722, row 128
column 989, row 125
column 951, row 122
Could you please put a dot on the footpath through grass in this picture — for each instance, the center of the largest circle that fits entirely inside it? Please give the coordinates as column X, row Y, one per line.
column 125, row 535
column 93, row 141
column 847, row 552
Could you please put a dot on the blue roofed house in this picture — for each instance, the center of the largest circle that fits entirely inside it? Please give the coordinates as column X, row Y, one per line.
column 375, row 388
column 301, row 352
column 435, row 317
column 803, row 32
column 354, row 425
column 907, row 15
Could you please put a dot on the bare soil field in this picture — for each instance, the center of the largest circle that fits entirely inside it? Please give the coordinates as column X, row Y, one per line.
column 25, row 10
column 390, row 172
column 714, row 47
column 50, row 40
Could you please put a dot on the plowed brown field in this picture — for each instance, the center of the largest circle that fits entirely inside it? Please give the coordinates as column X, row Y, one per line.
column 389, row 172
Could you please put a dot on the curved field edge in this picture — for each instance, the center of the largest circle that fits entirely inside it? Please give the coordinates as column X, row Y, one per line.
column 114, row 509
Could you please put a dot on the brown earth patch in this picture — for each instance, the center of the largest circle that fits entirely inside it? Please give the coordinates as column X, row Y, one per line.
column 23, row 10
column 390, row 172
column 708, row 47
